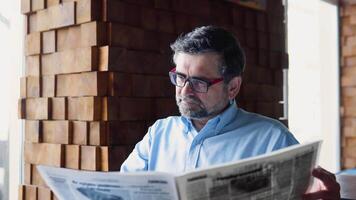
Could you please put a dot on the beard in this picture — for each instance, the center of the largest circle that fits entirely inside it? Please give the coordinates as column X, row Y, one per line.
column 191, row 107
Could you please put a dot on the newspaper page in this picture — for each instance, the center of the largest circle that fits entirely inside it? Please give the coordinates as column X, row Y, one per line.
column 284, row 174
column 83, row 185
column 348, row 185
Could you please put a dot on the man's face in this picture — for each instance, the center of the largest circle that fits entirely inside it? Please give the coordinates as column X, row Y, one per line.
column 197, row 105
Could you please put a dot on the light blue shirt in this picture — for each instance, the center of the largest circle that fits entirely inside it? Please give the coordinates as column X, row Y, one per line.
column 173, row 145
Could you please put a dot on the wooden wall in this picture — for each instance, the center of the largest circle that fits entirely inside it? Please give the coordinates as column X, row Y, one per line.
column 348, row 84
column 96, row 74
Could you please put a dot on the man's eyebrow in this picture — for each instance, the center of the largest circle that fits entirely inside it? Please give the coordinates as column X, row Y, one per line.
column 181, row 74
column 195, row 77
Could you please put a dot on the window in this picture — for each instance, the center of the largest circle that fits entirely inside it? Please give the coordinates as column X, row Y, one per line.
column 11, row 59
column 314, row 76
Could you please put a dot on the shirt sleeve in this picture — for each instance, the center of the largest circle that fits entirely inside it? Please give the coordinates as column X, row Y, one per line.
column 139, row 157
column 285, row 139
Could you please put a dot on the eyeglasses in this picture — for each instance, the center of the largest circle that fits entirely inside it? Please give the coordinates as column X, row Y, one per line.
column 197, row 84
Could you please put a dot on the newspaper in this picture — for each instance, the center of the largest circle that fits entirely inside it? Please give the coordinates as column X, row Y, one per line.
column 283, row 174
column 348, row 185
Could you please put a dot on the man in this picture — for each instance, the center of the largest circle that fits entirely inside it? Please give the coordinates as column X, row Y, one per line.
column 211, row 129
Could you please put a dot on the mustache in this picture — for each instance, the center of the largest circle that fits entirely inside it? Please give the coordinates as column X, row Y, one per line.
column 190, row 99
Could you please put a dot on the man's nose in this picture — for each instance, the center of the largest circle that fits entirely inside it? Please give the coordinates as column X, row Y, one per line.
column 187, row 88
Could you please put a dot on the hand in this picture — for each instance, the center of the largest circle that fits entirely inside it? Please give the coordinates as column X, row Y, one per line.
column 326, row 186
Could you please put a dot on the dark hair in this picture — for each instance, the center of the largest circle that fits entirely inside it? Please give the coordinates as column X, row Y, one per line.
column 213, row 39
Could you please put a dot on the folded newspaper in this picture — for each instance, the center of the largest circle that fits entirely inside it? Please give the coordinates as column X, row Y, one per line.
column 283, row 174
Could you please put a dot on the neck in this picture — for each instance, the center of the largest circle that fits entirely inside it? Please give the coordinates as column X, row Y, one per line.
column 200, row 123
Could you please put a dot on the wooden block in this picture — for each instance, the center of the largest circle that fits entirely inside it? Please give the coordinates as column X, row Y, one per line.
column 27, row 174
column 166, row 21
column 44, row 154
column 22, row 108
column 58, row 16
column 125, row 133
column 38, row 108
column 58, row 132
column 118, row 11
column 120, row 85
column 349, row 101
column 347, row 81
column 88, row 10
column 349, row 131
column 59, row 108
column 84, row 108
column 110, row 109
column 349, row 163
column 114, row 108
column 25, row 6
column 93, row 34
column 30, row 192
column 48, row 84
column 350, row 111
column 349, row 152
column 50, row 64
column 33, row 131
column 72, row 156
column 44, row 193
column 23, row 87
column 80, row 60
column 22, row 194
column 32, row 23
column 133, row 108
column 63, row 15
column 142, row 86
column 67, row 38
column 49, row 41
column 112, row 157
column 38, row 5
column 43, row 20
column 90, row 158
column 149, row 16
column 51, row 3
column 83, row 84
column 109, row 58
column 33, row 86
column 349, row 61
column 132, row 38
column 351, row 141
column 37, row 178
column 98, row 133
column 349, row 71
column 80, row 132
column 70, row 61
column 130, row 61
column 165, row 107
column 84, row 35
column 32, row 66
column 33, row 44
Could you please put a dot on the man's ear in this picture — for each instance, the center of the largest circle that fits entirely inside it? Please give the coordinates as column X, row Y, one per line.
column 234, row 87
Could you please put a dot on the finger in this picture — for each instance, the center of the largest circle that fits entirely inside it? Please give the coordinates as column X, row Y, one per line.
column 328, row 179
column 324, row 194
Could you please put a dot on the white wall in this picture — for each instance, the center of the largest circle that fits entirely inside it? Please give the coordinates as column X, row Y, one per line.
column 11, row 60
column 314, row 76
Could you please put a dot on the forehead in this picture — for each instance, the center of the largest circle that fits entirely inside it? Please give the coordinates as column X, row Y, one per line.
column 203, row 64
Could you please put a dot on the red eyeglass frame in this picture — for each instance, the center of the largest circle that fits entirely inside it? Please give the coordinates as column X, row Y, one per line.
column 210, row 82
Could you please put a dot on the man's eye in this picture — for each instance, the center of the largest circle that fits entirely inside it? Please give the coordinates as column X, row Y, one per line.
column 179, row 76
column 199, row 83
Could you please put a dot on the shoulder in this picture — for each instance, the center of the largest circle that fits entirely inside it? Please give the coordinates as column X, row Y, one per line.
column 168, row 121
column 258, row 121
column 266, row 129
column 165, row 125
